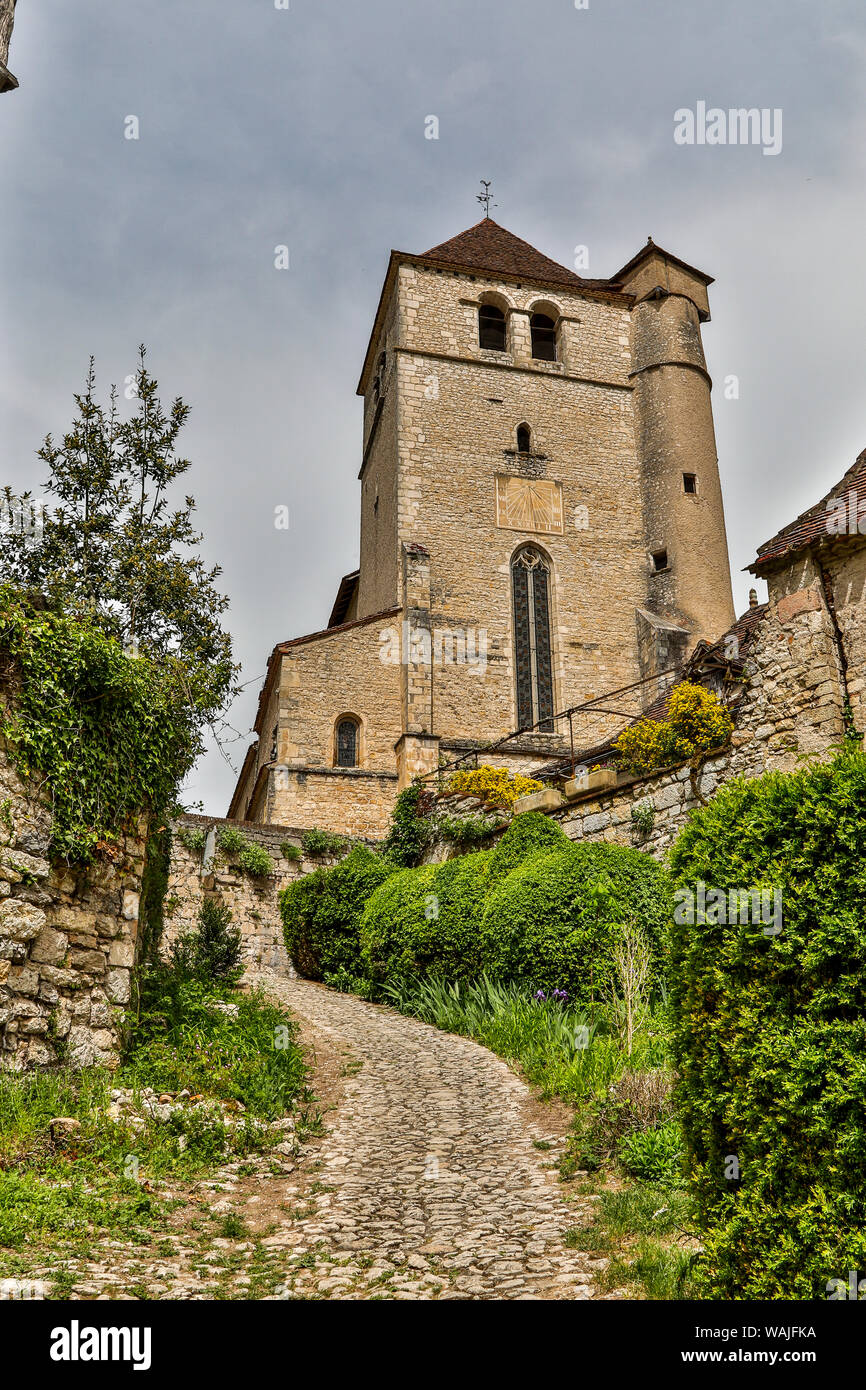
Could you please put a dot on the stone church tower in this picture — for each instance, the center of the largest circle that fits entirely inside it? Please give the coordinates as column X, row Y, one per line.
column 541, row 522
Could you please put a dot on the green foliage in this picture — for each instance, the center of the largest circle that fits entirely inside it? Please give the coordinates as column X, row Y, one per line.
column 317, row 843
column 529, row 833
column 321, row 914
column 553, row 920
column 212, row 952
column 230, row 840
column 248, row 856
column 425, row 921
column 293, row 853
column 184, row 1041
column 192, row 839
column 769, row 1033
column 115, row 549
column 411, row 828
column 643, row 817
column 154, row 883
column 696, row 722
column 656, row 1155
column 465, row 830
column 110, row 736
column 255, row 861
column 560, row 1048
column 637, row 1100
column 80, row 1188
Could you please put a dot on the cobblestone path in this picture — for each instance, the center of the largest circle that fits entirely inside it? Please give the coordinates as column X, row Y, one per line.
column 431, row 1182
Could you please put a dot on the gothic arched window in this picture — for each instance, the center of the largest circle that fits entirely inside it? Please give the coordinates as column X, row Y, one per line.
column 543, row 333
column 491, row 328
column 530, row 584
column 347, row 743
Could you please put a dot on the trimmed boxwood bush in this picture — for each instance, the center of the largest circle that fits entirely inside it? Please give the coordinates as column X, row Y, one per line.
column 551, row 921
column 321, row 914
column 770, row 1034
column 425, row 921
column 529, row 833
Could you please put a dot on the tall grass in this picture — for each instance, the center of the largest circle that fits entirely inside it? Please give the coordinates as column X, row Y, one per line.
column 92, row 1179
column 564, row 1050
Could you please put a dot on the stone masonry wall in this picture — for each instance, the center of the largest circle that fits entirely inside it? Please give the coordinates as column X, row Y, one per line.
column 68, row 939
column 791, row 706
column 253, row 901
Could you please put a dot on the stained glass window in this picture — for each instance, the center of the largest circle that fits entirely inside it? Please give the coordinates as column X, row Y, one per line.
column 347, row 743
column 530, row 580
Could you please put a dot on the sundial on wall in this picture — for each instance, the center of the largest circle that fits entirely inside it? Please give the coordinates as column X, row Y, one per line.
column 528, row 504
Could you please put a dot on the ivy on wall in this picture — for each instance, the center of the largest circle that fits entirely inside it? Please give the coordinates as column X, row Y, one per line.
column 104, row 735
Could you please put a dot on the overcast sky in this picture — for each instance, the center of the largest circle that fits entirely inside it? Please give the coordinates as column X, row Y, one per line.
column 306, row 127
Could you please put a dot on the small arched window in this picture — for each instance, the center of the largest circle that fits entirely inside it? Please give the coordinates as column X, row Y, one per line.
column 347, row 743
column 491, row 328
column 524, row 439
column 543, row 331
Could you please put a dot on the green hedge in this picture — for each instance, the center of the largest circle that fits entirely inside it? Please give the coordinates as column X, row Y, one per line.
column 770, row 1034
column 425, row 921
column 551, row 921
column 529, row 833
column 321, row 914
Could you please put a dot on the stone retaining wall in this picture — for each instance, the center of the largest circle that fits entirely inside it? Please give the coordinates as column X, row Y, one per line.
column 253, row 900
column 68, row 939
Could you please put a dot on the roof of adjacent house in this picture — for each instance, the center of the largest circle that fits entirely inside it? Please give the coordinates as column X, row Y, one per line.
column 816, row 524
column 345, row 593
column 706, row 658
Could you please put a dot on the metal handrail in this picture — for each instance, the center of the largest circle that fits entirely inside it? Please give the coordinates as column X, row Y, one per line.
column 589, row 706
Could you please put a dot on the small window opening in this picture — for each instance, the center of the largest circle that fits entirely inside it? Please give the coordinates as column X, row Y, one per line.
column 660, row 560
column 690, row 483
column 491, row 328
column 543, row 332
column 524, row 439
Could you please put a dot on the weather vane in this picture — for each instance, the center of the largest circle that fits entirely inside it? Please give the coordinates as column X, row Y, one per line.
column 486, row 196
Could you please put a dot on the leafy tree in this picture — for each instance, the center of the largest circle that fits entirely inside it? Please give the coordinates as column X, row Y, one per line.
column 213, row 950
column 114, row 546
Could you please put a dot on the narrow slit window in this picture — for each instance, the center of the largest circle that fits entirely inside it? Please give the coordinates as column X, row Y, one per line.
column 524, row 439
column 660, row 560
column 690, row 483
column 347, row 743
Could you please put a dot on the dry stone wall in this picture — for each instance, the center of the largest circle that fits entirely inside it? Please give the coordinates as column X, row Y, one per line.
column 68, row 939
column 254, row 901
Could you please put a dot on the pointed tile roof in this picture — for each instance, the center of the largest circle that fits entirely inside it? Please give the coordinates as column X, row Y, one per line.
column 817, row 523
column 489, row 247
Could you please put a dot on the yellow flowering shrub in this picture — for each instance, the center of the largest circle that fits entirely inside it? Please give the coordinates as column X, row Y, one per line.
column 495, row 784
column 696, row 722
